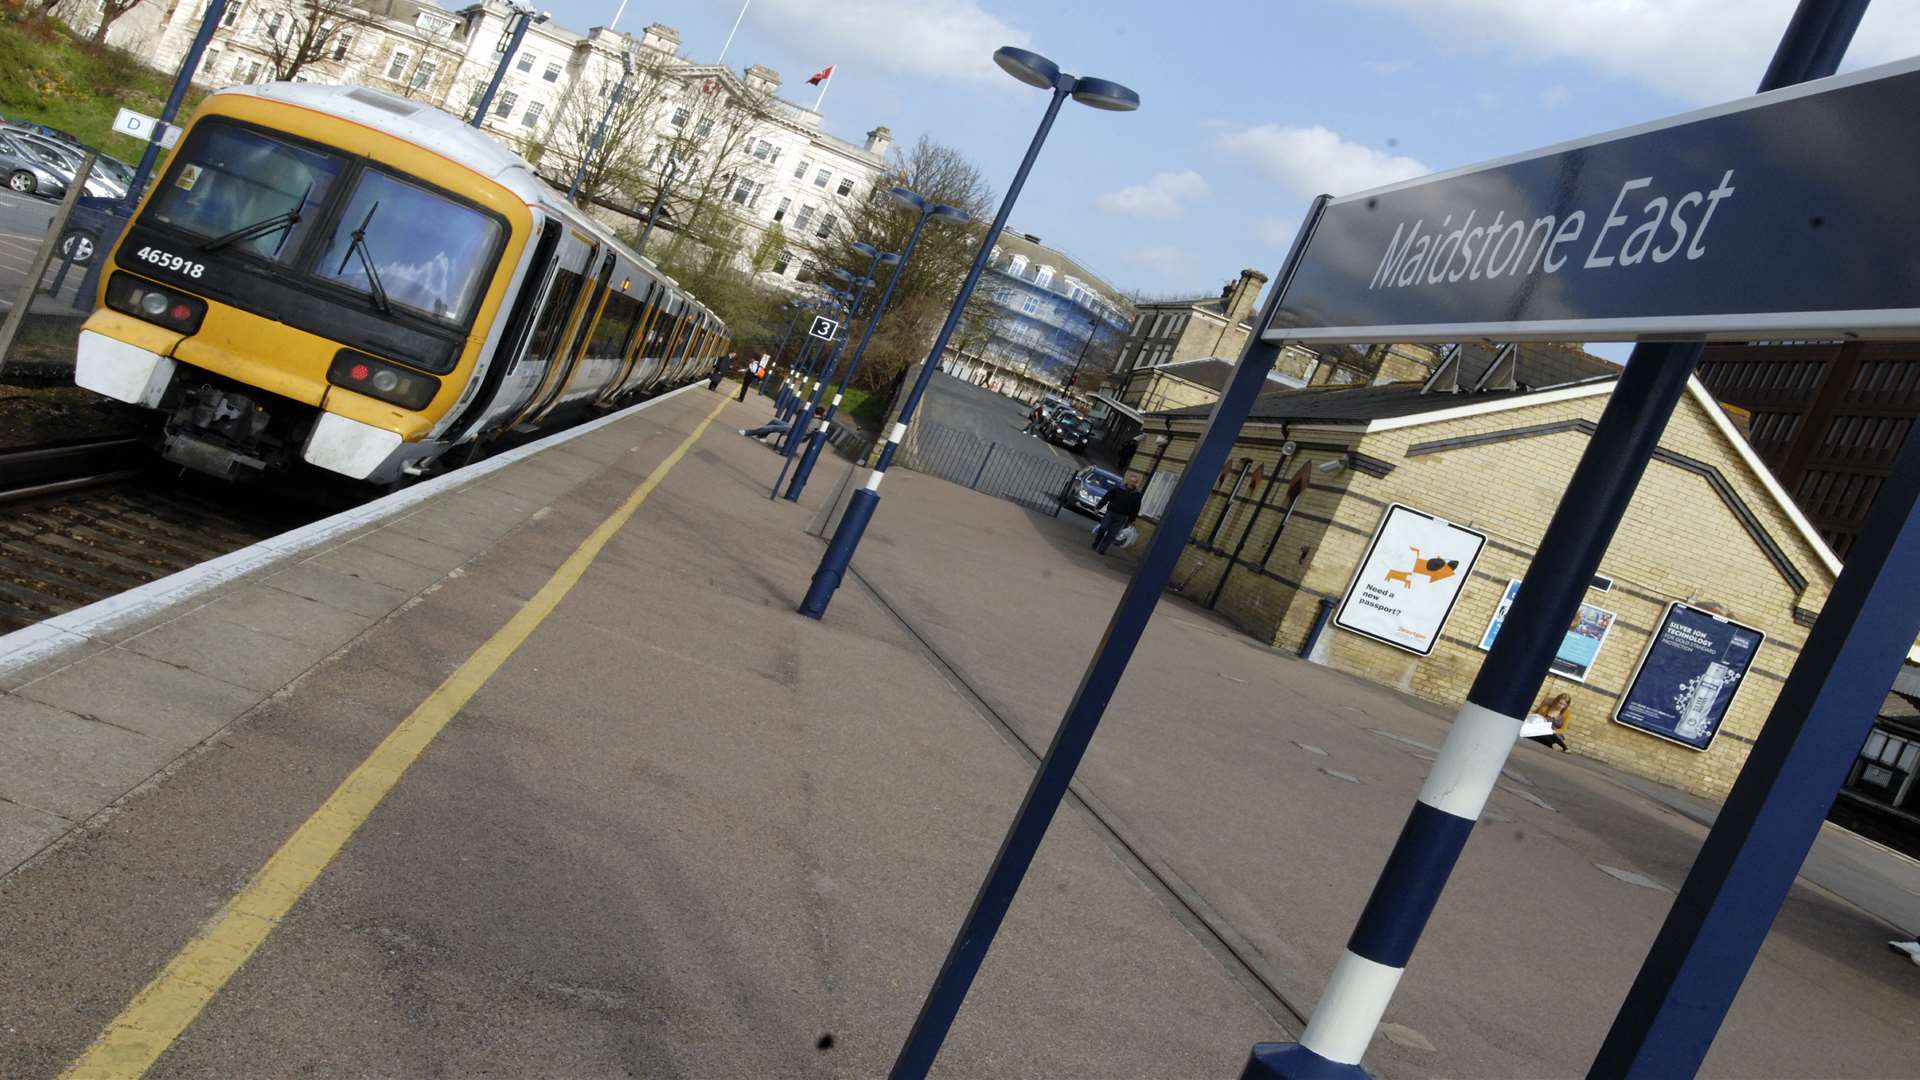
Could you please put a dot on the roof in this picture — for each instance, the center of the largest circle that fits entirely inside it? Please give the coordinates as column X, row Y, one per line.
column 1212, row 372
column 1358, row 404
column 1013, row 243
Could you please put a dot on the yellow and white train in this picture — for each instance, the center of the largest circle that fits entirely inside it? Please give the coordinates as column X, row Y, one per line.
column 341, row 276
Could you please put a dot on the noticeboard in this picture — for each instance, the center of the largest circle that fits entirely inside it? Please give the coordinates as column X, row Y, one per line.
column 823, row 328
column 1687, row 679
column 1579, row 649
column 1700, row 225
column 1409, row 579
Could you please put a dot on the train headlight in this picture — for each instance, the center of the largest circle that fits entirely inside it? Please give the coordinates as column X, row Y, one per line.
column 144, row 300
column 375, row 378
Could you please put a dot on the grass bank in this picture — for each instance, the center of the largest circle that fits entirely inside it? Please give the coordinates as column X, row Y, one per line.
column 48, row 77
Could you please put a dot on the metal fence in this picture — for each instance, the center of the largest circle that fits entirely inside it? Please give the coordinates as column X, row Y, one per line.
column 993, row 468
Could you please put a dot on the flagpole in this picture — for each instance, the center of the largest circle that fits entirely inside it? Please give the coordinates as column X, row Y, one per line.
column 621, row 10
column 828, row 81
column 736, row 26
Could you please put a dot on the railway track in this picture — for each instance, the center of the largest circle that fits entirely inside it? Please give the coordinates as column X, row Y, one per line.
column 84, row 521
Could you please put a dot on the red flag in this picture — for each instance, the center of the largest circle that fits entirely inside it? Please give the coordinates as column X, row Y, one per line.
column 821, row 76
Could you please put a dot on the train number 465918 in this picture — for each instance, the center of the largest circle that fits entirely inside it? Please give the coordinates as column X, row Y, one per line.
column 171, row 262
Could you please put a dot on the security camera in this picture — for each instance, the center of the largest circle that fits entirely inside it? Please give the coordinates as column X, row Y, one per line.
column 1331, row 465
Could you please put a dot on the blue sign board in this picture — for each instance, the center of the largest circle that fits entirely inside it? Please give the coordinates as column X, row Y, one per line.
column 1693, row 667
column 1783, row 215
column 1578, row 649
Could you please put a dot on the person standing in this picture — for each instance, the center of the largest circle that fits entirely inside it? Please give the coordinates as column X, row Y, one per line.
column 1118, row 507
column 721, row 365
column 754, row 373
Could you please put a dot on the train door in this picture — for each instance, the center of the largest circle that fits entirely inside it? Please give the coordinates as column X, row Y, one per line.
column 636, row 344
column 561, row 369
column 536, row 285
column 557, row 313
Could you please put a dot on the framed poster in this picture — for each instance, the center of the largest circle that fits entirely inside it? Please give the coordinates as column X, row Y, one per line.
column 1578, row 649
column 1409, row 579
column 1687, row 679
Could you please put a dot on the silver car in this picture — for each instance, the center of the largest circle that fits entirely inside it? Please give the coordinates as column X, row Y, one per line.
column 65, row 158
column 31, row 170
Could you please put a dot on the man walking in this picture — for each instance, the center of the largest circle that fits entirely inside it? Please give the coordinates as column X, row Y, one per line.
column 1119, row 506
column 752, row 375
column 722, row 365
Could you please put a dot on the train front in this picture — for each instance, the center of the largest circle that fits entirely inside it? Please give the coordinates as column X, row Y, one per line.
column 301, row 285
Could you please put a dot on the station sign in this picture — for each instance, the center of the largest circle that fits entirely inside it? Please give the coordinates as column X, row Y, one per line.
column 824, row 328
column 1788, row 214
column 141, row 126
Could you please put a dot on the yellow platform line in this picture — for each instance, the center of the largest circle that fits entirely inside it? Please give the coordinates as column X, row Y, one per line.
column 158, row 1015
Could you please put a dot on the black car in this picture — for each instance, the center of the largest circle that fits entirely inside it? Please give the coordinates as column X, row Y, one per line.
column 1069, row 429
column 1087, row 488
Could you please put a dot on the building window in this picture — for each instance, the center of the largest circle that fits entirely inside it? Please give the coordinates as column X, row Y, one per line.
column 761, row 149
column 504, row 107
column 800, row 172
column 207, row 61
column 1032, row 305
column 423, row 74
column 397, row 66
column 1159, row 324
column 820, row 179
column 846, row 187
column 1884, row 770
column 780, row 264
column 702, row 129
column 742, row 192
column 232, row 15
column 341, row 45
column 532, row 115
column 1044, row 277
column 253, row 71
column 826, row 227
column 552, row 74
column 1018, row 266
column 680, row 117
column 524, row 62
column 800, row 220
column 994, row 256
column 781, row 211
column 272, row 23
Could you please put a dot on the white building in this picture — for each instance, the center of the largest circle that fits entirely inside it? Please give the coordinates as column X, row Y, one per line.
column 783, row 170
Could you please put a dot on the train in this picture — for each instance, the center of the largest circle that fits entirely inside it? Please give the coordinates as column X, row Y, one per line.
column 338, row 276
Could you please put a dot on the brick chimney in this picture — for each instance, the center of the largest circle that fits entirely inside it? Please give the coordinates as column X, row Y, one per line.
column 1240, row 295
column 879, row 139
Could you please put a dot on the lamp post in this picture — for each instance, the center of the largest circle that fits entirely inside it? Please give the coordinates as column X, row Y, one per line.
column 793, row 308
column 666, row 184
column 808, row 363
column 925, row 209
column 600, row 131
column 797, row 431
column 209, row 22
column 524, row 17
column 1034, row 70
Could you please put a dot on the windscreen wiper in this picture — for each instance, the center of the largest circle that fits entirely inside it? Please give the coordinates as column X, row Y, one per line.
column 359, row 247
column 264, row 227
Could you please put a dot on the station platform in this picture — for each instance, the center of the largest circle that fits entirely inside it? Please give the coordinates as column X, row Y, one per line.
column 536, row 772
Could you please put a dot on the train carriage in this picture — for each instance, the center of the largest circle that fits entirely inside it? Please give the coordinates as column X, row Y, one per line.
column 342, row 277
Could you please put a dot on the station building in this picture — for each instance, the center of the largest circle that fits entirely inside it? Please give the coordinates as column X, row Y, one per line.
column 1292, row 516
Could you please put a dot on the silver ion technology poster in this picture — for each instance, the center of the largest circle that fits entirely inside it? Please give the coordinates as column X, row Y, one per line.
column 1694, row 664
column 1412, row 573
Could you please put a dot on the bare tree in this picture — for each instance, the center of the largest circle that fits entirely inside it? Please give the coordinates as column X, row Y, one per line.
column 296, row 33
column 615, row 164
column 110, row 12
column 709, row 126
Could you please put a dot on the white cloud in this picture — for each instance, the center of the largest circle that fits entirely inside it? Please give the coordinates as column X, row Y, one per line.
column 1308, row 161
column 944, row 39
column 1277, row 231
column 1695, row 50
column 1164, row 196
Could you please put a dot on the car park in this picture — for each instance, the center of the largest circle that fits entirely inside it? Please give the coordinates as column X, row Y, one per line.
column 1086, row 488
column 29, row 169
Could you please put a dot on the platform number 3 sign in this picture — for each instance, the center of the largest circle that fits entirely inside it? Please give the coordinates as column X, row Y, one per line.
column 824, row 328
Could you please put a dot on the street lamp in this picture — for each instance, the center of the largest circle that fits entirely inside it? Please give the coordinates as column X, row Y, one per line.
column 524, row 17
column 600, row 131
column 673, row 167
column 807, row 363
column 797, row 431
column 1034, row 70
column 925, row 210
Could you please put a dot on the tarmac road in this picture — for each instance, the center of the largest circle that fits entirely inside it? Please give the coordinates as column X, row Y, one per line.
column 23, row 224
column 958, row 404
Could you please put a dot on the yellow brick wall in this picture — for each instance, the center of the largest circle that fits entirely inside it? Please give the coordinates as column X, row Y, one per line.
column 1679, row 541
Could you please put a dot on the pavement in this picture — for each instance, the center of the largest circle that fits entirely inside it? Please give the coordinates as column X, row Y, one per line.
column 23, row 226
column 678, row 830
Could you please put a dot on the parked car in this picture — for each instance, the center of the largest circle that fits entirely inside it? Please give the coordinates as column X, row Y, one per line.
column 1086, row 488
column 1069, row 429
column 30, row 169
column 64, row 155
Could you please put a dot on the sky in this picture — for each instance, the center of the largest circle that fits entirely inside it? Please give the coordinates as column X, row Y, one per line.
column 1248, row 107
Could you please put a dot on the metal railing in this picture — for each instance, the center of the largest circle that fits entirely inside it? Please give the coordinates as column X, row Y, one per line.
column 1003, row 470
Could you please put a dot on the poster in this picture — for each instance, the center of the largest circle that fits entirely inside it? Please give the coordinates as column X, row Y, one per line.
column 1409, row 579
column 1693, row 667
column 1578, row 649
